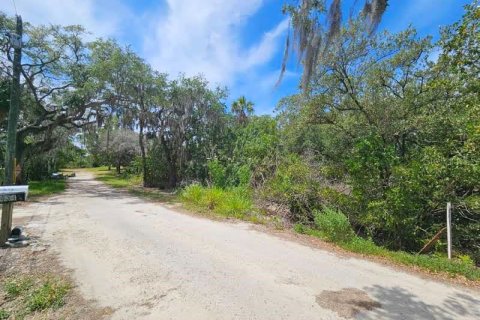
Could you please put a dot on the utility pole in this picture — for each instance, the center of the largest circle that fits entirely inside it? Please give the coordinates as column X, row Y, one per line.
column 7, row 208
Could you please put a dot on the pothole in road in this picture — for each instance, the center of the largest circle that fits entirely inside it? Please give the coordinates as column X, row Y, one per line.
column 347, row 302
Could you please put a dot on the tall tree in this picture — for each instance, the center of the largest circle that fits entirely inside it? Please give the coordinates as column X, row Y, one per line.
column 242, row 108
column 57, row 90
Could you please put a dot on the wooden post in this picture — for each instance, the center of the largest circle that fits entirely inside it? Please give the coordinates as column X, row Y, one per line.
column 7, row 208
column 449, row 230
column 432, row 242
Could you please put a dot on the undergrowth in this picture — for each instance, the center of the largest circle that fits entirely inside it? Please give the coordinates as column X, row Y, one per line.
column 233, row 202
column 333, row 226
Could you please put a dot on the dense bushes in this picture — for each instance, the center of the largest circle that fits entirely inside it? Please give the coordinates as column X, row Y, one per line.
column 294, row 185
column 334, row 225
column 388, row 137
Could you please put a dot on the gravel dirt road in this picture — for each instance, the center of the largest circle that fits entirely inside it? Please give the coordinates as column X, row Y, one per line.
column 146, row 261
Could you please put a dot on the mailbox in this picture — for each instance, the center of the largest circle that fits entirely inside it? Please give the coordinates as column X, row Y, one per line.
column 13, row 193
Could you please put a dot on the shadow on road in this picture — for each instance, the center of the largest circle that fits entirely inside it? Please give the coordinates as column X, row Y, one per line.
column 399, row 304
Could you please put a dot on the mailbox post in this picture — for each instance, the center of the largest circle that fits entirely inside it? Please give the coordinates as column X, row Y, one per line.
column 7, row 208
column 9, row 195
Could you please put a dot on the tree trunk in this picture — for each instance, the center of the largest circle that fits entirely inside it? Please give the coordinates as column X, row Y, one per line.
column 108, row 153
column 172, row 176
column 144, row 157
column 172, row 169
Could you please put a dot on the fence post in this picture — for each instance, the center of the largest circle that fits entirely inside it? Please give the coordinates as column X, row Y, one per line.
column 449, row 230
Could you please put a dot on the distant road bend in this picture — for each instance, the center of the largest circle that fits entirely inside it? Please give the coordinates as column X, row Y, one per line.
column 146, row 261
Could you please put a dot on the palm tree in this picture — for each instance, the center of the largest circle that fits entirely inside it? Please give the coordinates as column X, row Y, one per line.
column 242, row 108
column 312, row 34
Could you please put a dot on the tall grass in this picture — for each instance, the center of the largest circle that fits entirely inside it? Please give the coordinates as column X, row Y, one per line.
column 234, row 202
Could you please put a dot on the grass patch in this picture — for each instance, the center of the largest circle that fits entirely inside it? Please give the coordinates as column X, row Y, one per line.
column 329, row 225
column 119, row 181
column 45, row 188
column 115, row 180
column 16, row 286
column 4, row 314
column 234, row 202
column 27, row 294
column 51, row 294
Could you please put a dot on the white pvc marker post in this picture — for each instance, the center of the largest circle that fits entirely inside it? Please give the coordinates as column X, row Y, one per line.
column 449, row 230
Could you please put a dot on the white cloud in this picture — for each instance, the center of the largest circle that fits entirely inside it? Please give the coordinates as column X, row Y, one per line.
column 205, row 37
column 101, row 18
column 190, row 36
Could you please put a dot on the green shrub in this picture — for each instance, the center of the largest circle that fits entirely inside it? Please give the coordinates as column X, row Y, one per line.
column 299, row 228
column 242, row 175
column 192, row 194
column 217, row 173
column 295, row 186
column 334, row 225
column 235, row 202
column 211, row 198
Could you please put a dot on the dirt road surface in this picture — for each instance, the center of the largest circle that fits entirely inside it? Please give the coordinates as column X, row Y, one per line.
column 146, row 261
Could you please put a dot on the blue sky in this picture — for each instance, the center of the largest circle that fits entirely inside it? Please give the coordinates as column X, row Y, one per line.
column 233, row 43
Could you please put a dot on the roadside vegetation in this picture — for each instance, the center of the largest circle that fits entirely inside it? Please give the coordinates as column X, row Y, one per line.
column 45, row 188
column 333, row 226
column 384, row 133
column 25, row 295
column 329, row 224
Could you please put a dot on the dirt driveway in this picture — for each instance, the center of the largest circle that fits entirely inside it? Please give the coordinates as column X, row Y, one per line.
column 148, row 262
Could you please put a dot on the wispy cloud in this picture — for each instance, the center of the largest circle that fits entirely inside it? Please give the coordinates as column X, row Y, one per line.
column 101, row 18
column 205, row 37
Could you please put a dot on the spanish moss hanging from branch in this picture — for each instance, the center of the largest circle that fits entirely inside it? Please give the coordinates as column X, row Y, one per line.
column 314, row 27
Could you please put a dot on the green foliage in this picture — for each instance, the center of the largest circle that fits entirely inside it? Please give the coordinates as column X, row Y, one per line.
column 390, row 136
column 334, row 225
column 218, row 173
column 294, row 186
column 237, row 203
column 71, row 156
column 233, row 202
column 193, row 194
column 51, row 294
